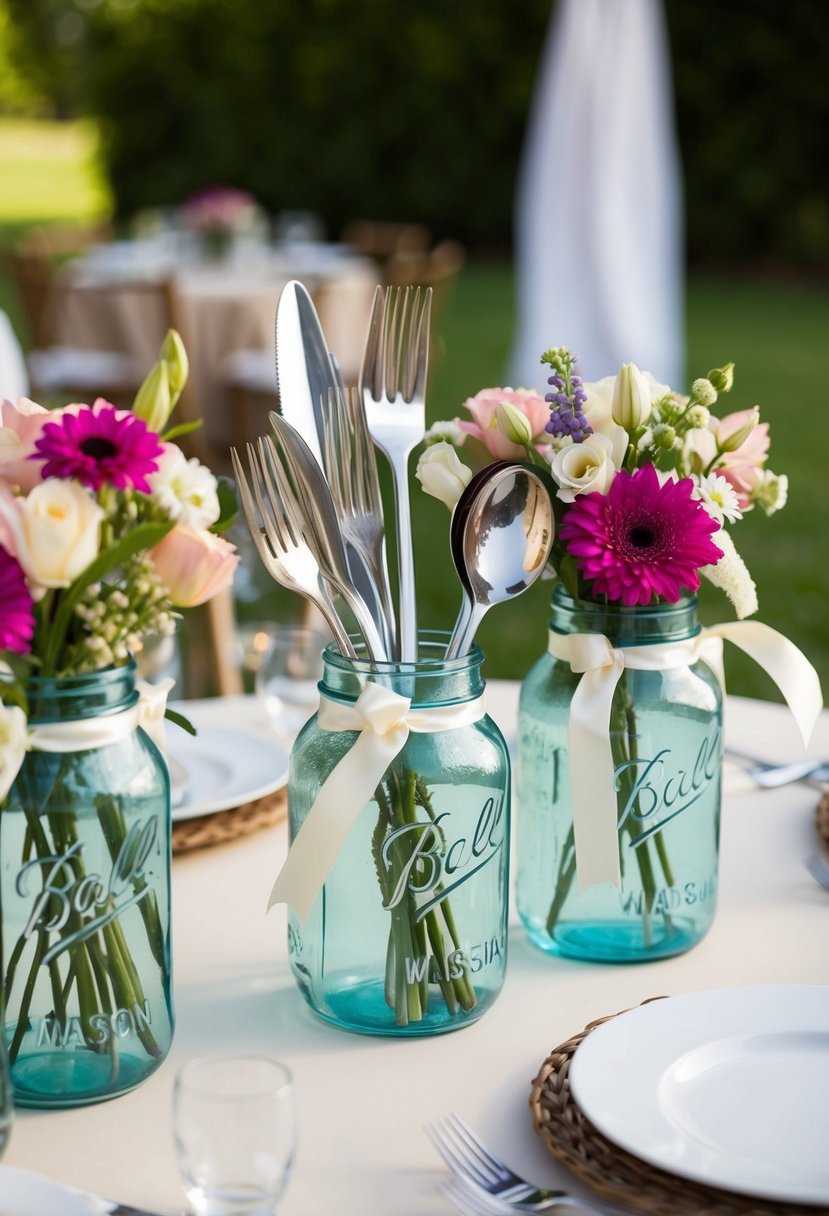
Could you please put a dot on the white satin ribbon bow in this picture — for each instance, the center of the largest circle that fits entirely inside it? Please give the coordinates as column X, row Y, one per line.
column 84, row 734
column 591, row 761
column 384, row 719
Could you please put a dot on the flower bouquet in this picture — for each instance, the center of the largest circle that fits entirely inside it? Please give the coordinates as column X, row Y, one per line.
column 106, row 529
column 620, row 722
column 219, row 214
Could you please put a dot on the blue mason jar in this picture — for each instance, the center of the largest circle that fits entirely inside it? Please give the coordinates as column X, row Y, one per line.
column 666, row 748
column 408, row 935
column 85, row 890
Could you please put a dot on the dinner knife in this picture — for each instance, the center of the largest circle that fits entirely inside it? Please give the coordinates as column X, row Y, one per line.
column 305, row 370
column 305, row 373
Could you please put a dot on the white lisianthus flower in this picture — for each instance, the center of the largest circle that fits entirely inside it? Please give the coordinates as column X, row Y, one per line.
column 57, row 532
column 185, row 489
column 444, row 432
column 719, row 498
column 442, row 474
column 631, row 404
column 14, row 742
column 590, row 466
column 770, row 491
column 731, row 574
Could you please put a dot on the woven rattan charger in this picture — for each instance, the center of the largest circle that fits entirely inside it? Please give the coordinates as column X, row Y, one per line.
column 617, row 1175
column 223, row 826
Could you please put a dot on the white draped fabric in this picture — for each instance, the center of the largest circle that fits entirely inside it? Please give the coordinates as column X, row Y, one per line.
column 14, row 382
column 599, row 232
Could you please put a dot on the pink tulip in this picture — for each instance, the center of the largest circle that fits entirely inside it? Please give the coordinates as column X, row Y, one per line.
column 485, row 427
column 21, row 424
column 742, row 466
column 194, row 565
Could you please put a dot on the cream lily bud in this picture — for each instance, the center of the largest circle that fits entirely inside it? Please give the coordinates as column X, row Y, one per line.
column 178, row 365
column 722, row 377
column 735, row 441
column 631, row 398
column 513, row 424
column 153, row 401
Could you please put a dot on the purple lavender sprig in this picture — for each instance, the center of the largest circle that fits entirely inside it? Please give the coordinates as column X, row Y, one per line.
column 567, row 401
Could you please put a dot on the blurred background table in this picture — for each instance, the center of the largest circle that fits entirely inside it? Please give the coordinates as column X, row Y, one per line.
column 124, row 295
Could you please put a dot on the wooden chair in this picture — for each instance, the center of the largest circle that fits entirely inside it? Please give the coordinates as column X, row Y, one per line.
column 382, row 239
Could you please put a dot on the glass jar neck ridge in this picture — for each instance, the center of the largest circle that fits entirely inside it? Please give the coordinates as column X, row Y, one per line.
column 431, row 680
column 624, row 626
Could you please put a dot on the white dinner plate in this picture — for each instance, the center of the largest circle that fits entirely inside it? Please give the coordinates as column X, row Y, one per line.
column 728, row 1087
column 221, row 767
column 25, row 1194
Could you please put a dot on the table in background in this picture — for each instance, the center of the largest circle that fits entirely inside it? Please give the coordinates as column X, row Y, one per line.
column 222, row 306
column 363, row 1101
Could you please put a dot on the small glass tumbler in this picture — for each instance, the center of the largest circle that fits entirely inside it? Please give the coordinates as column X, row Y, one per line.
column 287, row 677
column 235, row 1133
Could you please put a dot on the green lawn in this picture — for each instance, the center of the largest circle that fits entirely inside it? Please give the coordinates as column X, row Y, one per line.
column 775, row 333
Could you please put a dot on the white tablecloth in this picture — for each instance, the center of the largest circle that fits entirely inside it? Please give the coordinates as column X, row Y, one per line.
column 223, row 306
column 363, row 1101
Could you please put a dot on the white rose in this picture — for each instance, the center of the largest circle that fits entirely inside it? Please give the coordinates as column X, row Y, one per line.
column 590, row 466
column 59, row 527
column 14, row 740
column 442, row 474
column 598, row 406
column 185, row 489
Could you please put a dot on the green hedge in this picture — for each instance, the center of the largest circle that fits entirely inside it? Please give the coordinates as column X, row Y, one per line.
column 416, row 111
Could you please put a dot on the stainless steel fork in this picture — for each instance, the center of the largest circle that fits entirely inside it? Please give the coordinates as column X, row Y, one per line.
column 393, row 389
column 351, row 472
column 477, row 1168
column 276, row 530
column 296, row 470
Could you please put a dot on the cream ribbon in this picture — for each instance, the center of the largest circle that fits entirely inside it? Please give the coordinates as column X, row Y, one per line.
column 383, row 719
column 591, row 761
column 84, row 734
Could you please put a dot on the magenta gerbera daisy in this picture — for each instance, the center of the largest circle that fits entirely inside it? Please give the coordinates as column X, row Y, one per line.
column 641, row 539
column 17, row 619
column 99, row 445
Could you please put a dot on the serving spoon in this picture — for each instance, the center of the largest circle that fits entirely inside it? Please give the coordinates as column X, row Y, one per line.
column 501, row 535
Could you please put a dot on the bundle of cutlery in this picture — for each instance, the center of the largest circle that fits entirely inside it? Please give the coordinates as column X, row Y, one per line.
column 311, row 491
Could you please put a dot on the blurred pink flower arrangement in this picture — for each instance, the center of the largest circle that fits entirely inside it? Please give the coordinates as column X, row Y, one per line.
column 221, row 210
column 106, row 528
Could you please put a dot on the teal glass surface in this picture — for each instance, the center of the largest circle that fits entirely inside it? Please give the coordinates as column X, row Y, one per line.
column 666, row 739
column 85, row 901
column 408, row 935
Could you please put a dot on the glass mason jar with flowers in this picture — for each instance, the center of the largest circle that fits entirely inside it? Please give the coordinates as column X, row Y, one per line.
column 620, row 721
column 105, row 529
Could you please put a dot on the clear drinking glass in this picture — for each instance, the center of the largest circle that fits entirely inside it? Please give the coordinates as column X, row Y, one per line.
column 234, row 1123
column 288, row 674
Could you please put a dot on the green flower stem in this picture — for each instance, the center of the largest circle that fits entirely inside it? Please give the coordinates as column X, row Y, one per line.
column 26, row 999
column 115, row 833
column 398, row 798
column 623, row 736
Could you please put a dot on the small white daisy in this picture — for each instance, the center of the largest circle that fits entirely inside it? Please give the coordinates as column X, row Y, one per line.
column 719, row 498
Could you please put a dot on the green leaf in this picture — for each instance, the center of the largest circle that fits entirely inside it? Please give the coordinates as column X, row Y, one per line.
column 178, row 719
column 228, row 504
column 144, row 536
column 184, row 428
